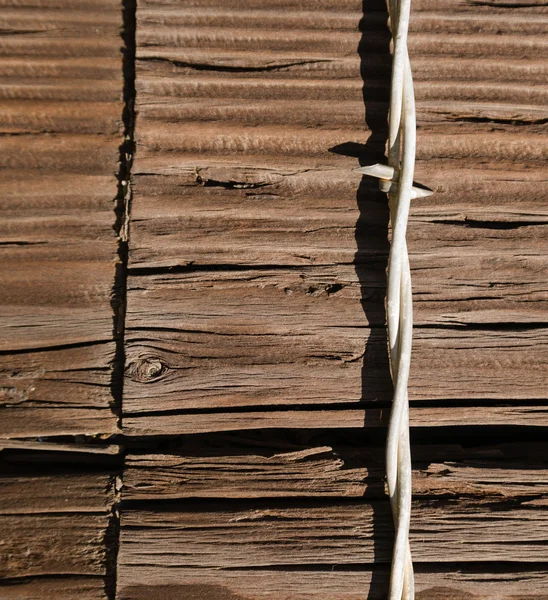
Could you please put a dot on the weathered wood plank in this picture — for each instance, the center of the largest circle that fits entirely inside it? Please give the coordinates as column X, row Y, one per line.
column 252, row 535
column 278, row 251
column 61, row 87
column 71, row 544
column 298, row 549
column 180, row 423
column 303, row 297
column 58, row 391
column 260, row 216
column 448, row 471
column 226, row 18
column 462, row 583
column 73, row 588
column 54, row 524
column 61, row 449
column 56, row 492
column 266, row 363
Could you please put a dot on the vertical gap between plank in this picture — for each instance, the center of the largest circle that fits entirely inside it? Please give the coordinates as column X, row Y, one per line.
column 121, row 226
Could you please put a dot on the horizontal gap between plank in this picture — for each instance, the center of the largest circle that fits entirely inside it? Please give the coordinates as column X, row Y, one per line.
column 366, row 406
column 8, row 581
column 466, row 435
column 214, row 504
column 55, row 347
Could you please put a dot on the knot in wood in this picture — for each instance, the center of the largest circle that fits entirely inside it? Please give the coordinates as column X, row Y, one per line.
column 146, row 369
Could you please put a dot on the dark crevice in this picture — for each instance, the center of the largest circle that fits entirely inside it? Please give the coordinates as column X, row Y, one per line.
column 502, row 4
column 375, row 415
column 230, row 68
column 290, row 439
column 477, row 402
column 492, row 326
column 518, row 122
column 123, row 199
column 48, row 461
column 502, row 225
column 468, row 568
column 206, row 268
column 230, row 185
column 262, row 409
column 22, row 243
column 54, row 347
column 5, row 32
column 490, row 507
column 206, row 505
column 111, row 538
column 13, row 581
column 119, row 290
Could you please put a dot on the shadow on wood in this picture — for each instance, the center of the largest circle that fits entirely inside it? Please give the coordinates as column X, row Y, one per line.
column 372, row 240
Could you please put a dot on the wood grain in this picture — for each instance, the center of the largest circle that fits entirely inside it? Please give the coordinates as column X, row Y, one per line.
column 73, row 588
column 252, row 535
column 61, row 87
column 256, row 301
column 217, row 584
column 510, row 471
column 298, row 214
column 65, row 450
column 53, row 544
column 276, row 337
column 58, row 391
column 55, row 524
column 319, row 523
column 257, row 258
column 56, row 492
column 182, row 423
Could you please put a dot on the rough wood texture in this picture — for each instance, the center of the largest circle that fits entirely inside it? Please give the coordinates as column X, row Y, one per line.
column 73, row 588
column 58, row 391
column 206, row 422
column 319, row 512
column 61, row 88
column 162, row 545
column 266, row 535
column 234, row 347
column 514, row 470
column 60, row 448
column 256, row 301
column 53, row 493
column 244, row 584
column 257, row 257
column 55, row 525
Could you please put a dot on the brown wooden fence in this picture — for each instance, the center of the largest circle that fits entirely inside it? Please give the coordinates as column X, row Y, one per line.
column 194, row 372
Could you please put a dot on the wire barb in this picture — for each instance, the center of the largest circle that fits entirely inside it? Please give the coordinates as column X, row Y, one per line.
column 388, row 183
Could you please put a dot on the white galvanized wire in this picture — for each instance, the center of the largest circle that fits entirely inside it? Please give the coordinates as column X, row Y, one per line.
column 401, row 156
column 397, row 180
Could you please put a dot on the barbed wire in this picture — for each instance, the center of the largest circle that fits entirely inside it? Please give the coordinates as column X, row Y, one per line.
column 401, row 157
column 397, row 180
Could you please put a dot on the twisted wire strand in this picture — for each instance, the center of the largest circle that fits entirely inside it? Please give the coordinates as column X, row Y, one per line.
column 401, row 157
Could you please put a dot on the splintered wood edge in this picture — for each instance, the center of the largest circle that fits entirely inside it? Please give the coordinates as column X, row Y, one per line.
column 22, row 444
column 339, row 471
column 182, row 424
